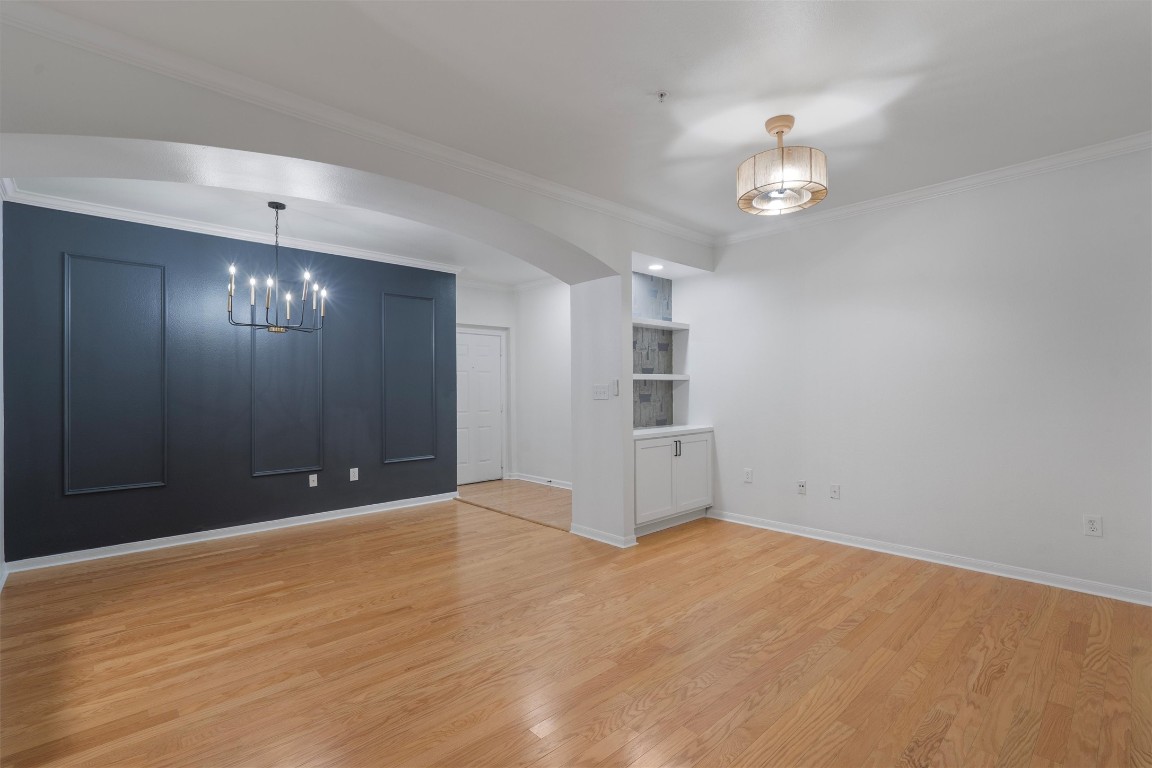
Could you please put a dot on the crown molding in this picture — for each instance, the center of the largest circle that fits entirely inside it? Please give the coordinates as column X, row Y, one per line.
column 9, row 192
column 1126, row 145
column 53, row 25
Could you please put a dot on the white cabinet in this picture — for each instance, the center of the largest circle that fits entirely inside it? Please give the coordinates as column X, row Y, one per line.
column 692, row 472
column 673, row 475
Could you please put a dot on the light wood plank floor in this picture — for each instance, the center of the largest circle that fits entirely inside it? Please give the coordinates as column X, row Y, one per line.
column 535, row 502
column 452, row 636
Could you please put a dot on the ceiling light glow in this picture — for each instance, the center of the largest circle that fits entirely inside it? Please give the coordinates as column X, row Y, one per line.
column 784, row 179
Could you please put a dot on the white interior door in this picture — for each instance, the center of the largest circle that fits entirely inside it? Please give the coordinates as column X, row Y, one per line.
column 479, row 407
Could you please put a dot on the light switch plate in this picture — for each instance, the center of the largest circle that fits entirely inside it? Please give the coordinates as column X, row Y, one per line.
column 313, row 481
column 835, row 492
column 600, row 392
column 354, row 473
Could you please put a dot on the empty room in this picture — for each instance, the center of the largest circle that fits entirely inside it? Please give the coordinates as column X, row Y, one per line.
column 575, row 383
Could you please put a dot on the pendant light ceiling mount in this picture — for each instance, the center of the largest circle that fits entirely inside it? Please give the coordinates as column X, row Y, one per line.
column 784, row 179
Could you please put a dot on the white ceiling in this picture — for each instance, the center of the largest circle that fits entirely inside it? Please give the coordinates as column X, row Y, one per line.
column 243, row 214
column 899, row 95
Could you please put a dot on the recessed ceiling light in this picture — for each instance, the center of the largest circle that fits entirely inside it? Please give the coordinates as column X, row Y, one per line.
column 655, row 267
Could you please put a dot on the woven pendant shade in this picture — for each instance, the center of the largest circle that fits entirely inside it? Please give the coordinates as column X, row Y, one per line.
column 781, row 180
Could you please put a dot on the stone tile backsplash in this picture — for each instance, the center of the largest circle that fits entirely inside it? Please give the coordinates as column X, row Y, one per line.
column 651, row 350
column 651, row 400
column 651, row 404
column 651, row 297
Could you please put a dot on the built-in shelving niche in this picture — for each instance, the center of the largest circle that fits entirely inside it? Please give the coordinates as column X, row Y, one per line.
column 659, row 355
column 659, row 351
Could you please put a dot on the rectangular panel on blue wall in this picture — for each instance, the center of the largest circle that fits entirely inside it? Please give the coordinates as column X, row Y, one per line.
column 115, row 375
column 409, row 378
column 287, row 402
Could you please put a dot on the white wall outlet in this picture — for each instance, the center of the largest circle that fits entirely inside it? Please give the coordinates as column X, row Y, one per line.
column 1093, row 525
column 802, row 487
column 354, row 473
column 600, row 392
column 747, row 475
column 834, row 492
column 313, row 481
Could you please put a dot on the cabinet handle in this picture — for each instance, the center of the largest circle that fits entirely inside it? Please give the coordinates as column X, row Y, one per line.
column 677, row 447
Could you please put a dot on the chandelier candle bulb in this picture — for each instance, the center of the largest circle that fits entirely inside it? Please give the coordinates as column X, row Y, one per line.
column 288, row 306
column 252, row 285
column 231, row 280
column 323, row 296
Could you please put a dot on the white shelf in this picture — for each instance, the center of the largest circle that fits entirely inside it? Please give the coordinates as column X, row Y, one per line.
column 660, row 377
column 663, row 325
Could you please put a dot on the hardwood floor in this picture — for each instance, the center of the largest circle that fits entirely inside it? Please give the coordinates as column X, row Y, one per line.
column 452, row 636
column 537, row 503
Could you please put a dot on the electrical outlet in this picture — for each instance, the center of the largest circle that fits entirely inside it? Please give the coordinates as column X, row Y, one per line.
column 802, row 487
column 354, row 473
column 313, row 481
column 747, row 475
column 1093, row 525
column 601, row 391
column 835, row 492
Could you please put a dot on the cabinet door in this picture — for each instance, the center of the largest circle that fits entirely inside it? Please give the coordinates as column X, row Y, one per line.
column 692, row 473
column 654, row 479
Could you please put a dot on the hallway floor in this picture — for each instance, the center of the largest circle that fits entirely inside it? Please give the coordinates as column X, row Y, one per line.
column 534, row 502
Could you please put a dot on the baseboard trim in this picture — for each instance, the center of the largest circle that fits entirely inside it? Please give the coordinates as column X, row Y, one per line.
column 1126, row 594
column 670, row 522
column 603, row 536
column 541, row 480
column 132, row 547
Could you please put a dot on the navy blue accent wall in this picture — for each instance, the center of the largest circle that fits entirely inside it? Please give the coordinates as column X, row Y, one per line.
column 209, row 434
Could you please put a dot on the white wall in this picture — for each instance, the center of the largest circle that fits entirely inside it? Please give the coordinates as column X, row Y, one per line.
column 493, row 306
column 973, row 370
column 602, row 461
column 543, row 404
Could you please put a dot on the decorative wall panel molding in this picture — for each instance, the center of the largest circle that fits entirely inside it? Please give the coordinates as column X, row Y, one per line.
column 409, row 391
column 115, row 375
column 287, row 402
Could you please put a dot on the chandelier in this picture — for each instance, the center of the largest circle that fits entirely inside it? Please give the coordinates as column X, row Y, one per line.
column 273, row 322
column 781, row 180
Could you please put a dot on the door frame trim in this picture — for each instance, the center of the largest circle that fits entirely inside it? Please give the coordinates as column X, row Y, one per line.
column 506, row 384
